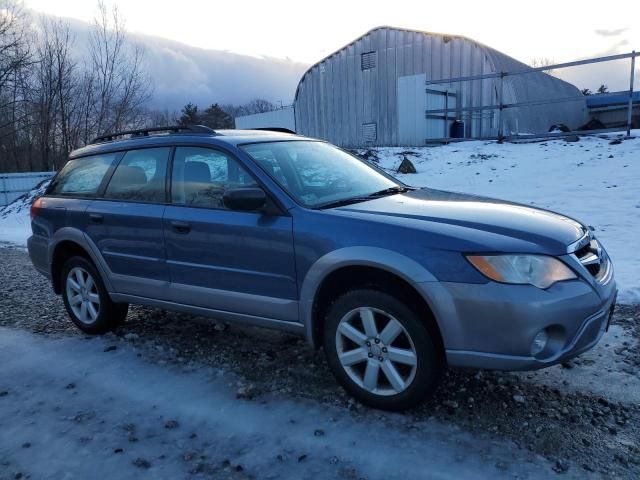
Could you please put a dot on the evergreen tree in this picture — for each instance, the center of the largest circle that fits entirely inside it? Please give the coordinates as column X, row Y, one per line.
column 216, row 117
column 603, row 89
column 189, row 115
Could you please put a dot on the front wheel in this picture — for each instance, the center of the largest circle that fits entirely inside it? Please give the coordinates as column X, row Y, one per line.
column 380, row 350
column 87, row 300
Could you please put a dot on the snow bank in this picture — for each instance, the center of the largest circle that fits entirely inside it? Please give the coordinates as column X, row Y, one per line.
column 15, row 223
column 592, row 180
column 22, row 204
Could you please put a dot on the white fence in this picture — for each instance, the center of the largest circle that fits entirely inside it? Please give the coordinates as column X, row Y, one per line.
column 282, row 118
column 12, row 185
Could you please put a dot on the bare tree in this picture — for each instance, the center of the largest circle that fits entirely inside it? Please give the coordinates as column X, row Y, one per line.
column 86, row 107
column 260, row 105
column 121, row 88
column 66, row 83
column 257, row 105
column 44, row 92
column 15, row 57
column 14, row 45
column 53, row 99
column 539, row 62
column 53, row 92
column 161, row 118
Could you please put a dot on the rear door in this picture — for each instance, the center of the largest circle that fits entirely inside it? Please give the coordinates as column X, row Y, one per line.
column 126, row 224
column 70, row 193
column 233, row 261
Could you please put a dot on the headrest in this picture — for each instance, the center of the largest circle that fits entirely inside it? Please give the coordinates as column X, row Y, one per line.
column 127, row 176
column 197, row 172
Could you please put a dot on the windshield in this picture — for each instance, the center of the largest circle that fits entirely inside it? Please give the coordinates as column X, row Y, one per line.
column 318, row 174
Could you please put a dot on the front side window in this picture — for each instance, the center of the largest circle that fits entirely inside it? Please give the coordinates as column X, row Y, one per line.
column 201, row 175
column 318, row 174
column 83, row 176
column 140, row 176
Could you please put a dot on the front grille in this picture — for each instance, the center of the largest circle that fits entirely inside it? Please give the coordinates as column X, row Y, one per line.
column 594, row 259
column 583, row 251
column 593, row 269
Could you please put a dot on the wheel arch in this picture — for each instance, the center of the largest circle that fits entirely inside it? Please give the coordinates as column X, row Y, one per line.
column 364, row 266
column 69, row 242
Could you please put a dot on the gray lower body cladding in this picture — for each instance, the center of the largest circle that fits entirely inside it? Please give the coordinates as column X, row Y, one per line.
column 493, row 325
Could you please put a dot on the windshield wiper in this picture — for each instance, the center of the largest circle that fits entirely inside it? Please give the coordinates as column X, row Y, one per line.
column 389, row 191
column 364, row 198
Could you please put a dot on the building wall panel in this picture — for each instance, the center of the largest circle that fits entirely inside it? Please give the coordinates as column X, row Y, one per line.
column 336, row 97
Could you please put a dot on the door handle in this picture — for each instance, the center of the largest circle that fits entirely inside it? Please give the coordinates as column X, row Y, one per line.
column 180, row 227
column 96, row 217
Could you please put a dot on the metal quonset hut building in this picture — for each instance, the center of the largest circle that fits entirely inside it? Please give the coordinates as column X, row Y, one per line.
column 375, row 92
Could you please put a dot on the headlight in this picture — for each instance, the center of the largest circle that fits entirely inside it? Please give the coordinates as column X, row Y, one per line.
column 539, row 270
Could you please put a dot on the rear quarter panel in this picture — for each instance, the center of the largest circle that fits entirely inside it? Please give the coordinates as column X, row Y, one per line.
column 55, row 214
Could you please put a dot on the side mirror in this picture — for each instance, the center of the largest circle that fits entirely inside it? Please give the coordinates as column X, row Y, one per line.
column 248, row 199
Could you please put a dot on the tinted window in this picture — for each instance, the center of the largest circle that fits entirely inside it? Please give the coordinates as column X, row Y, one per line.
column 140, row 176
column 201, row 175
column 82, row 177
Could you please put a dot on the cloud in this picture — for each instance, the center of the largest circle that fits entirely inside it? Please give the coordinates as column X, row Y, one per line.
column 621, row 46
column 181, row 73
column 610, row 32
column 184, row 74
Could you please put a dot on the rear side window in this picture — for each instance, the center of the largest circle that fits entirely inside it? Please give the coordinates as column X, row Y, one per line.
column 83, row 176
column 201, row 176
column 140, row 176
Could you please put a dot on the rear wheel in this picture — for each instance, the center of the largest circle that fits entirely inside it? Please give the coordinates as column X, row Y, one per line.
column 380, row 350
column 87, row 300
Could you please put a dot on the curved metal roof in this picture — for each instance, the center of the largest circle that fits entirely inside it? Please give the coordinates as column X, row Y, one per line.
column 388, row 27
column 501, row 61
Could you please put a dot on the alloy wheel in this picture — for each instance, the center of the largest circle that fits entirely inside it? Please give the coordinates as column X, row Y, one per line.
column 376, row 351
column 82, row 295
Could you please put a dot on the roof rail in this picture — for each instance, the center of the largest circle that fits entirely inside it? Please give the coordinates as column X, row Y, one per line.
column 275, row 129
column 145, row 132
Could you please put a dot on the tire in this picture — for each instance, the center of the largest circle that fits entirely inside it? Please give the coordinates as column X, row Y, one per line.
column 399, row 366
column 86, row 299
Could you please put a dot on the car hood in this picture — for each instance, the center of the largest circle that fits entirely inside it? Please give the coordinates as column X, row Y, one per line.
column 549, row 230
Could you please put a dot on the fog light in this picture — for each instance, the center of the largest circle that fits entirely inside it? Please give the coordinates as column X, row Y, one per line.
column 539, row 342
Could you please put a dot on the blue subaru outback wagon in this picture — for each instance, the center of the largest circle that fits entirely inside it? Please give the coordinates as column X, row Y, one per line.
column 276, row 230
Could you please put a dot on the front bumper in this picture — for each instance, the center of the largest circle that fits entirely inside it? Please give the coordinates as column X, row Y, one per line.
column 493, row 325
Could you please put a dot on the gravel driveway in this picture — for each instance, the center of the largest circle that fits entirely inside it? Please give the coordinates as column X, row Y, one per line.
column 583, row 416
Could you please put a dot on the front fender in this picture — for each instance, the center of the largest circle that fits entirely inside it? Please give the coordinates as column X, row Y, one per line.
column 388, row 260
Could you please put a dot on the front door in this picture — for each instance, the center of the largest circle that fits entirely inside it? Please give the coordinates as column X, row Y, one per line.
column 126, row 224
column 231, row 261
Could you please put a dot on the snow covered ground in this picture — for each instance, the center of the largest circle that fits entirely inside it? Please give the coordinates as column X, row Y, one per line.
column 591, row 180
column 15, row 229
column 70, row 404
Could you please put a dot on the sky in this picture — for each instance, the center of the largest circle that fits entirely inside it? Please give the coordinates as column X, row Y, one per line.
column 307, row 31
